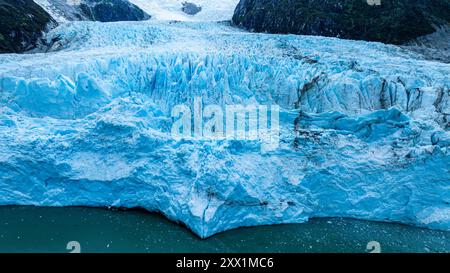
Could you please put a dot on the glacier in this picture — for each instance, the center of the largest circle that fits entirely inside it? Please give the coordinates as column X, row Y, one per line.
column 364, row 126
column 212, row 10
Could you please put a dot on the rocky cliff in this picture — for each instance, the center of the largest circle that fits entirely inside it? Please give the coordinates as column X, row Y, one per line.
column 112, row 11
column 393, row 21
column 22, row 23
column 93, row 10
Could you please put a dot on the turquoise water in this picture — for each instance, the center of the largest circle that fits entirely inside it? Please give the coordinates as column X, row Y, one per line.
column 37, row 229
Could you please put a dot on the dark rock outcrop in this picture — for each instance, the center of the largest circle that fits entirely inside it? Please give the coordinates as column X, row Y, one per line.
column 190, row 8
column 394, row 21
column 94, row 10
column 22, row 23
column 112, row 11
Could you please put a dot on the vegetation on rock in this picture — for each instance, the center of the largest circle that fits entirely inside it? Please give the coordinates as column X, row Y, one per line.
column 22, row 23
column 394, row 21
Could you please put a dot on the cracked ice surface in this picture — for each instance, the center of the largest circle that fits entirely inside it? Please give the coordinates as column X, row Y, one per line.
column 364, row 126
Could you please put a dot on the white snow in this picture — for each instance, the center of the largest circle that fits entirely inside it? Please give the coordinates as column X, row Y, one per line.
column 212, row 10
column 48, row 6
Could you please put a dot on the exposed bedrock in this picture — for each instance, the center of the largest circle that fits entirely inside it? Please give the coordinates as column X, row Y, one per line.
column 394, row 21
column 93, row 10
column 22, row 23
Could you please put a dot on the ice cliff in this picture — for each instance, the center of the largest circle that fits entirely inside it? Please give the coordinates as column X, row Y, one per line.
column 364, row 126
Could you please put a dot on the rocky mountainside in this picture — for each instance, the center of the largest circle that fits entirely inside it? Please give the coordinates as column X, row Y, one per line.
column 394, row 21
column 93, row 10
column 112, row 11
column 22, row 23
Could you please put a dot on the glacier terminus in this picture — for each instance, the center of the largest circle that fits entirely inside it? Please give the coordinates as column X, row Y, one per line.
column 364, row 126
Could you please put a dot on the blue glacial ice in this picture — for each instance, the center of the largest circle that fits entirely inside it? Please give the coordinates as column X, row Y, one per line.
column 364, row 126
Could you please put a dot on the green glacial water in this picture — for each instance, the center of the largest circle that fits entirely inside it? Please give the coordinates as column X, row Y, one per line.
column 38, row 229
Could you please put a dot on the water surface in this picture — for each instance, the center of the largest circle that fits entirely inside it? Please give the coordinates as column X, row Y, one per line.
column 39, row 229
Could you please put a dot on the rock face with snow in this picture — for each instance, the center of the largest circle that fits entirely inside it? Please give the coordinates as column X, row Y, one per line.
column 364, row 127
column 190, row 8
column 22, row 24
column 394, row 21
column 93, row 10
column 435, row 46
column 112, row 11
